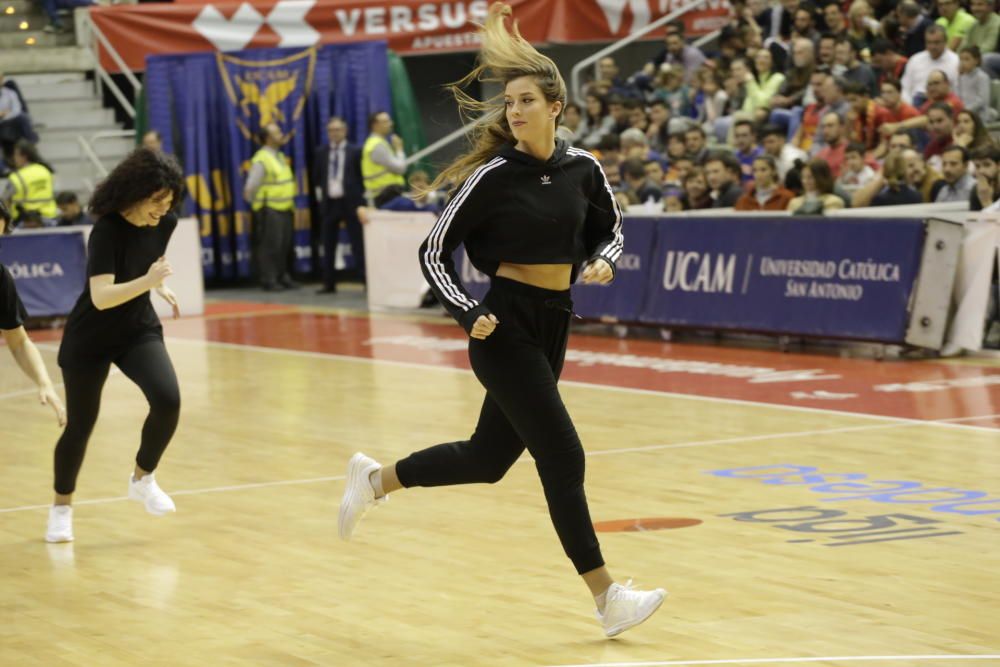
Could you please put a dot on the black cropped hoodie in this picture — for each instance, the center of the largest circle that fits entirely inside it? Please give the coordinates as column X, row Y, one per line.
column 518, row 209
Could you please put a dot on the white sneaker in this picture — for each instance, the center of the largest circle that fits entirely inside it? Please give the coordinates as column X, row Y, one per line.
column 60, row 524
column 359, row 495
column 625, row 608
column 150, row 494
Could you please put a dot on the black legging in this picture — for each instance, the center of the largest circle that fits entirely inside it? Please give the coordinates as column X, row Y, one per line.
column 519, row 364
column 146, row 363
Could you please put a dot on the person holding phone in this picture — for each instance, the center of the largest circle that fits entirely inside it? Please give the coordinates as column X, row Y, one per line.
column 383, row 161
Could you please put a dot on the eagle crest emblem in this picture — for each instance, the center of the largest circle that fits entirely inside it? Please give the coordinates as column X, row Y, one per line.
column 268, row 91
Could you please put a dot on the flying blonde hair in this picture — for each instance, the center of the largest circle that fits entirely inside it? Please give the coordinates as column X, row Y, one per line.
column 503, row 57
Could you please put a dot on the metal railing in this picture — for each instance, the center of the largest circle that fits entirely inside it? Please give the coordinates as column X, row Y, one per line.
column 575, row 84
column 88, row 154
column 705, row 39
column 440, row 143
column 462, row 131
column 94, row 40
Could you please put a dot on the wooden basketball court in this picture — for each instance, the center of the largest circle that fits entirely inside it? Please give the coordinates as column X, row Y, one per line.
column 800, row 509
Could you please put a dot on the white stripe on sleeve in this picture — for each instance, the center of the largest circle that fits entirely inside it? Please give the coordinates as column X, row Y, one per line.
column 435, row 241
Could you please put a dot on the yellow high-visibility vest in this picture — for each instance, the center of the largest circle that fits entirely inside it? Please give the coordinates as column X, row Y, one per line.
column 278, row 189
column 376, row 176
column 33, row 191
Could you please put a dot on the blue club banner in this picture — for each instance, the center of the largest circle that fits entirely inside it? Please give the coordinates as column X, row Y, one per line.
column 848, row 277
column 208, row 106
column 49, row 270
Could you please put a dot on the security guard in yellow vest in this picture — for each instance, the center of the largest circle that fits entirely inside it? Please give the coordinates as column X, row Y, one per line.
column 382, row 163
column 270, row 189
column 34, row 196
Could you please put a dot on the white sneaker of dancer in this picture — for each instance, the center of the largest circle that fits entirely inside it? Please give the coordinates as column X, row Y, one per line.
column 625, row 607
column 359, row 495
column 60, row 527
column 149, row 493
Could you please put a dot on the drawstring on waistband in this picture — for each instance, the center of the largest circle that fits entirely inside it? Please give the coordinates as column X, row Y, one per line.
column 562, row 304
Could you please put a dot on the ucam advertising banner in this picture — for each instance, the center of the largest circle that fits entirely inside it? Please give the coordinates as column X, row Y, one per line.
column 832, row 278
column 409, row 26
column 846, row 278
column 623, row 298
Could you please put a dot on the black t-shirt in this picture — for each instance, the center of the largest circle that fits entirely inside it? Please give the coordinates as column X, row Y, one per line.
column 12, row 312
column 118, row 247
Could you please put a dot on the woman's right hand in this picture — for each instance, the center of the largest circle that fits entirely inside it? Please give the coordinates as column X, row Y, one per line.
column 484, row 326
column 159, row 271
column 984, row 190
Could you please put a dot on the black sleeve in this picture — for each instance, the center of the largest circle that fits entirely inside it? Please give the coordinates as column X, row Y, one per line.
column 12, row 312
column 317, row 169
column 466, row 210
column 101, row 249
column 358, row 184
column 728, row 198
column 974, row 203
column 936, row 189
column 603, row 226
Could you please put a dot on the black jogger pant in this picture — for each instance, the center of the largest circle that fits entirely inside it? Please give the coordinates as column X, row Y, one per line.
column 146, row 363
column 519, row 364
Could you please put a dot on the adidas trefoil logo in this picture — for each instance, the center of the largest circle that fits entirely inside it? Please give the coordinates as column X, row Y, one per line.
column 546, row 179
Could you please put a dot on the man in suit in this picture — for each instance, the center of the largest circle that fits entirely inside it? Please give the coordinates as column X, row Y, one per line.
column 339, row 192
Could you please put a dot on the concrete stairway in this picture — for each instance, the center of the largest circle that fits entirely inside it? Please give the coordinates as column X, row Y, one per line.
column 25, row 48
column 64, row 106
column 50, row 70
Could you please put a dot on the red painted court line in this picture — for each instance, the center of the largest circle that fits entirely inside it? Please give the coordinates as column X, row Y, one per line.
column 905, row 389
column 241, row 307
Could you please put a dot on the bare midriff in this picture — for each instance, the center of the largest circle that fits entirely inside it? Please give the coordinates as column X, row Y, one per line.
column 546, row 276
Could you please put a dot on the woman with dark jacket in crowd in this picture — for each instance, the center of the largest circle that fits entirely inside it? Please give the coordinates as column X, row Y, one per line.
column 817, row 196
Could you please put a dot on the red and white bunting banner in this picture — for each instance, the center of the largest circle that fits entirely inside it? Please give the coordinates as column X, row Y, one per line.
column 409, row 26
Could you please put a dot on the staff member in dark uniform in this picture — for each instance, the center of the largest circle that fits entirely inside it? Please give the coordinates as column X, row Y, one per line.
column 113, row 322
column 12, row 316
column 531, row 212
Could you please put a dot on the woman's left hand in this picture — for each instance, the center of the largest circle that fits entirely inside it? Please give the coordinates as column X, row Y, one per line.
column 598, row 272
column 170, row 298
column 48, row 396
